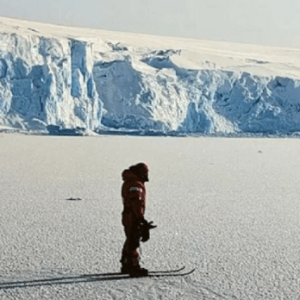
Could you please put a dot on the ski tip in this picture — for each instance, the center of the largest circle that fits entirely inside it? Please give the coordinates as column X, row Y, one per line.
column 178, row 270
column 185, row 274
column 168, row 271
column 190, row 272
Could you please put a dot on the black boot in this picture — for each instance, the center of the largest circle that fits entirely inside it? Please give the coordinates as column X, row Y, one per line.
column 126, row 269
column 136, row 271
column 126, row 265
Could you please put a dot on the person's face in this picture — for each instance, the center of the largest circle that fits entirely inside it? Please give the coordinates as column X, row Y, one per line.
column 144, row 177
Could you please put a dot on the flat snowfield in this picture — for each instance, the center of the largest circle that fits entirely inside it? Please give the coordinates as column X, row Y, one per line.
column 228, row 207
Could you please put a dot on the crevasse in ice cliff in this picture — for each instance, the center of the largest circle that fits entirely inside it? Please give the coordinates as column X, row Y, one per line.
column 70, row 83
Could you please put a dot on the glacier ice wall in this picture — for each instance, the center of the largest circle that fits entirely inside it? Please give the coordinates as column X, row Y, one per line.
column 77, row 83
column 47, row 81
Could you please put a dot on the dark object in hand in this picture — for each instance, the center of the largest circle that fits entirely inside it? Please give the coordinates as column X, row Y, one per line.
column 142, row 231
column 145, row 230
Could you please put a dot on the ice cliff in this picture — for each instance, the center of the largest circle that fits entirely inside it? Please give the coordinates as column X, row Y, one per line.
column 108, row 86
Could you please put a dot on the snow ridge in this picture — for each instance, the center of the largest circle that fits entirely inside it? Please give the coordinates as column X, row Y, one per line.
column 109, row 86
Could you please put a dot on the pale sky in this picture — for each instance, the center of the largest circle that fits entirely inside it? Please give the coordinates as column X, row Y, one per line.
column 267, row 22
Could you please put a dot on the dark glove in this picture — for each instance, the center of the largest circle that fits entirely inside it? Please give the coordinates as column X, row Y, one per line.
column 141, row 232
column 145, row 230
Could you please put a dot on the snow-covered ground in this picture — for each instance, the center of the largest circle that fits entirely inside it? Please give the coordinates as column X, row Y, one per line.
column 229, row 207
column 106, row 81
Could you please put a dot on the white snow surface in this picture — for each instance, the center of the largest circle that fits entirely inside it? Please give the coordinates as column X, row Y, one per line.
column 108, row 81
column 228, row 207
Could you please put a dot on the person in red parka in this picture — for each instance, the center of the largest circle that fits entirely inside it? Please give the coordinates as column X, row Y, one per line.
column 134, row 201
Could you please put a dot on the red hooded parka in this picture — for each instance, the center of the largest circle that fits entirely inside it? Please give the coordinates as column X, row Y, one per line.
column 134, row 201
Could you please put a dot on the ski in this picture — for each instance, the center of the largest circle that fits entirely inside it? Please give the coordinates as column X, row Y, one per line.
column 167, row 271
column 122, row 274
column 150, row 272
column 165, row 274
column 91, row 278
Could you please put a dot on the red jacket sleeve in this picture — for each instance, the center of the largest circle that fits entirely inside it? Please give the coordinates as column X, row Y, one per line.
column 138, row 207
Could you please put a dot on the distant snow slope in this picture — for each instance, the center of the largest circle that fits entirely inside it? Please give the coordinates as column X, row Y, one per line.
column 105, row 81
